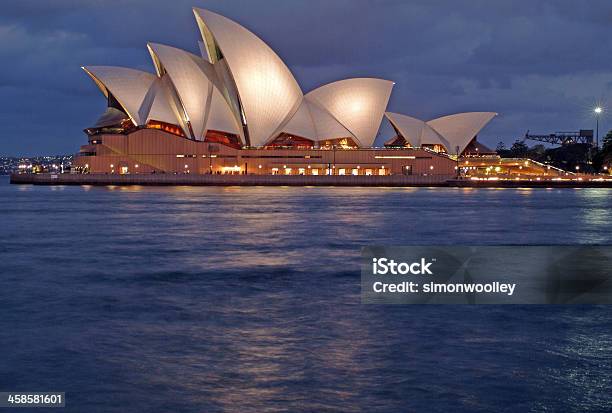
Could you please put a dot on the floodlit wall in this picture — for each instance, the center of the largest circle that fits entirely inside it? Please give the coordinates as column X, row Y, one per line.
column 154, row 150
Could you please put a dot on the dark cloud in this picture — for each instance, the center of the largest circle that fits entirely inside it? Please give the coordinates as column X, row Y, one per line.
column 540, row 64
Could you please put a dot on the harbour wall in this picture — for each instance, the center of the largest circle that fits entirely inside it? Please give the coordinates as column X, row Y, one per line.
column 160, row 179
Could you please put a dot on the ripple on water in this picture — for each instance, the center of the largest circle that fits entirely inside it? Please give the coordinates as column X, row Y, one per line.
column 247, row 299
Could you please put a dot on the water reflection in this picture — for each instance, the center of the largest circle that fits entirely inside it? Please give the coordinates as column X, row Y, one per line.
column 246, row 299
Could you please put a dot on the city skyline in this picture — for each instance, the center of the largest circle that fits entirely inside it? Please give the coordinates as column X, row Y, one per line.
column 443, row 57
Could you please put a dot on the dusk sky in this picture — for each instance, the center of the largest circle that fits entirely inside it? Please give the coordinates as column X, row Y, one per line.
column 542, row 65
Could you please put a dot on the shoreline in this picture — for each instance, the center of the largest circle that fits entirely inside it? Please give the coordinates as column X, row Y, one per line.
column 291, row 180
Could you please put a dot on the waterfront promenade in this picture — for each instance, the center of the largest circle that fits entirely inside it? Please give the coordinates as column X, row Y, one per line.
column 160, row 179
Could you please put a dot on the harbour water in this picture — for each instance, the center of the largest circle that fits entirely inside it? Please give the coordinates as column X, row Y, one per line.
column 210, row 299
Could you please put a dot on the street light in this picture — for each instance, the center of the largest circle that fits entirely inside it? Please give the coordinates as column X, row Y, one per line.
column 598, row 111
column 457, row 166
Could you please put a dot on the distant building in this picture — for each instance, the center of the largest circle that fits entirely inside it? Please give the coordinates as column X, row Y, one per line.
column 238, row 109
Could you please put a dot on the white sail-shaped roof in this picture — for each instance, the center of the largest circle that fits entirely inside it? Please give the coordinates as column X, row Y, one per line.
column 416, row 131
column 242, row 87
column 358, row 104
column 301, row 123
column 229, row 91
column 165, row 106
column 313, row 122
column 191, row 83
column 197, row 86
column 219, row 116
column 326, row 126
column 461, row 128
column 128, row 86
column 268, row 91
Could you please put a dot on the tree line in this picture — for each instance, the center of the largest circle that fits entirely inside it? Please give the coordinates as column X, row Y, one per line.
column 572, row 157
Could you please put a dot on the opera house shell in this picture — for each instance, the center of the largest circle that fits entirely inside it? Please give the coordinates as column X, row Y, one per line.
column 452, row 133
column 237, row 108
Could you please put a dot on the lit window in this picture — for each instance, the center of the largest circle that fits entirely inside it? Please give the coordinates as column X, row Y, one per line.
column 315, row 171
column 341, row 171
column 355, row 171
column 287, row 171
column 368, row 172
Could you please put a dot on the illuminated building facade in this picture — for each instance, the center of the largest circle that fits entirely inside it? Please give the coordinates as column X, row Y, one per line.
column 238, row 109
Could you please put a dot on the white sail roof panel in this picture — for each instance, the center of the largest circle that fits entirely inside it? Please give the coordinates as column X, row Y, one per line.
column 267, row 89
column 191, row 83
column 416, row 131
column 301, row 123
column 165, row 106
column 358, row 104
column 459, row 129
column 326, row 126
column 220, row 117
column 128, row 86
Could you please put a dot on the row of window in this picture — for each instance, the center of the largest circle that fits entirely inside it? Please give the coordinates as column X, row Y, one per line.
column 328, row 171
column 204, row 156
column 282, row 156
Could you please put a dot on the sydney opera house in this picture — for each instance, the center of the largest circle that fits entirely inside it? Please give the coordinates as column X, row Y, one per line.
column 237, row 109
